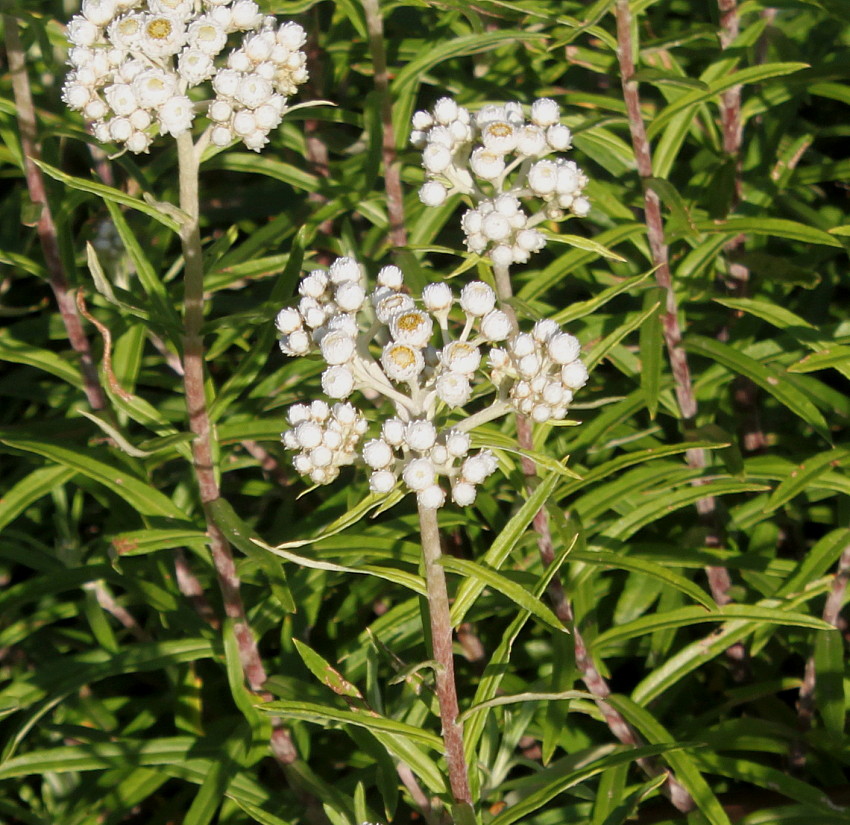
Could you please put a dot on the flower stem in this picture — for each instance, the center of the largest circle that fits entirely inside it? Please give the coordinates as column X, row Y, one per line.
column 202, row 445
column 441, row 643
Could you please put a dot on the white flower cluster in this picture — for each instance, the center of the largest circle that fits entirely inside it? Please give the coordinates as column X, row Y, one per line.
column 133, row 63
column 326, row 438
column 382, row 343
column 543, row 369
column 498, row 158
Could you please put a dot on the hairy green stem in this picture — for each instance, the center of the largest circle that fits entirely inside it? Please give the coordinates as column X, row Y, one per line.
column 441, row 643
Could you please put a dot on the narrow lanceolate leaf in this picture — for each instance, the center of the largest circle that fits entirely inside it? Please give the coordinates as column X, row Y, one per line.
column 777, row 227
column 691, row 100
column 500, row 549
column 829, row 682
column 836, row 356
column 515, row 592
column 770, row 380
column 610, row 341
column 16, row 351
column 569, row 776
column 800, row 477
column 661, row 504
column 325, row 672
column 586, row 244
column 682, row 763
column 108, row 193
column 31, row 488
column 331, row 717
column 686, row 616
column 145, row 498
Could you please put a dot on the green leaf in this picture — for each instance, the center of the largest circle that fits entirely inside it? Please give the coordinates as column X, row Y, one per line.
column 325, row 672
column 778, row 227
column 108, row 193
column 500, row 549
column 328, row 716
column 586, row 244
column 239, row 534
column 30, row 489
column 691, row 100
column 836, row 356
column 686, row 616
column 800, row 477
column 772, row 381
column 487, row 577
column 610, row 341
column 143, row 497
column 829, row 684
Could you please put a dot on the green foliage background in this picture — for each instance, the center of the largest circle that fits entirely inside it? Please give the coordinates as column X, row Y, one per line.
column 121, row 704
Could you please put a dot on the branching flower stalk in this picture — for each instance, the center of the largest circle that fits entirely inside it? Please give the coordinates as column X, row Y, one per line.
column 498, row 160
column 440, row 387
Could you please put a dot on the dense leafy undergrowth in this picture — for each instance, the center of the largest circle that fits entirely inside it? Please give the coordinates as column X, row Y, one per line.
column 704, row 557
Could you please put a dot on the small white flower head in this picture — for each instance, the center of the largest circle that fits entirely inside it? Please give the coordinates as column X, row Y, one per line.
column 350, row 296
column 545, row 112
column 445, row 111
column 453, row 388
column 390, row 277
column 337, row 382
column 564, row 348
column 402, row 362
column 412, row 327
column 464, row 493
column 433, row 193
column 477, row 468
column 382, row 481
column 420, row 435
column 338, row 347
column 461, row 357
column 559, row 137
column 496, row 325
column 499, row 137
column 477, row 298
column 574, row 375
column 486, row 163
column 393, row 431
column 176, row 115
column 437, row 297
column 378, row 454
column 431, row 498
column 419, row 474
column 457, row 443
column 393, row 303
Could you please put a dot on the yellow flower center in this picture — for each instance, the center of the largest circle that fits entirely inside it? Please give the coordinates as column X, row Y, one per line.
column 159, row 28
column 410, row 322
column 500, row 130
column 402, row 356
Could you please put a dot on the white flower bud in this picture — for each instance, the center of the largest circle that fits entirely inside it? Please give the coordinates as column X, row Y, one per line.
column 499, row 136
column 313, row 285
column 457, row 443
column 580, row 207
column 290, row 441
column 564, row 348
column 393, row 431
column 298, row 413
column 350, row 296
column 436, row 158
column 476, row 468
column 463, row 494
column 445, row 111
column 345, row 414
column 390, row 277
column 302, row 464
column 541, row 413
column 453, row 388
column 544, row 329
column 422, row 120
column 545, row 112
column 337, row 382
column 321, row 456
column 338, row 347
column 477, row 298
column 522, row 345
column 344, row 269
column 574, row 376
column 378, row 454
column 420, row 435
column 559, row 137
column 389, row 306
column 486, row 163
column 437, row 297
column 433, row 193
column 431, row 498
column 319, row 410
column 496, row 227
column 309, row 434
column 419, row 474
column 381, row 481
column 502, row 255
column 296, row 343
column 531, row 141
column 496, row 325
column 543, row 177
column 221, row 136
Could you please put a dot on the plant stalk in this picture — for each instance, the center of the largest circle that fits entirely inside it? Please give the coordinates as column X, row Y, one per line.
column 594, row 681
column 45, row 227
column 202, row 445
column 441, row 643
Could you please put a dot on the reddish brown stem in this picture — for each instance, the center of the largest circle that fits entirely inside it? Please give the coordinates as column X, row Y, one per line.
column 441, row 643
column 718, row 577
column 392, row 173
column 45, row 227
